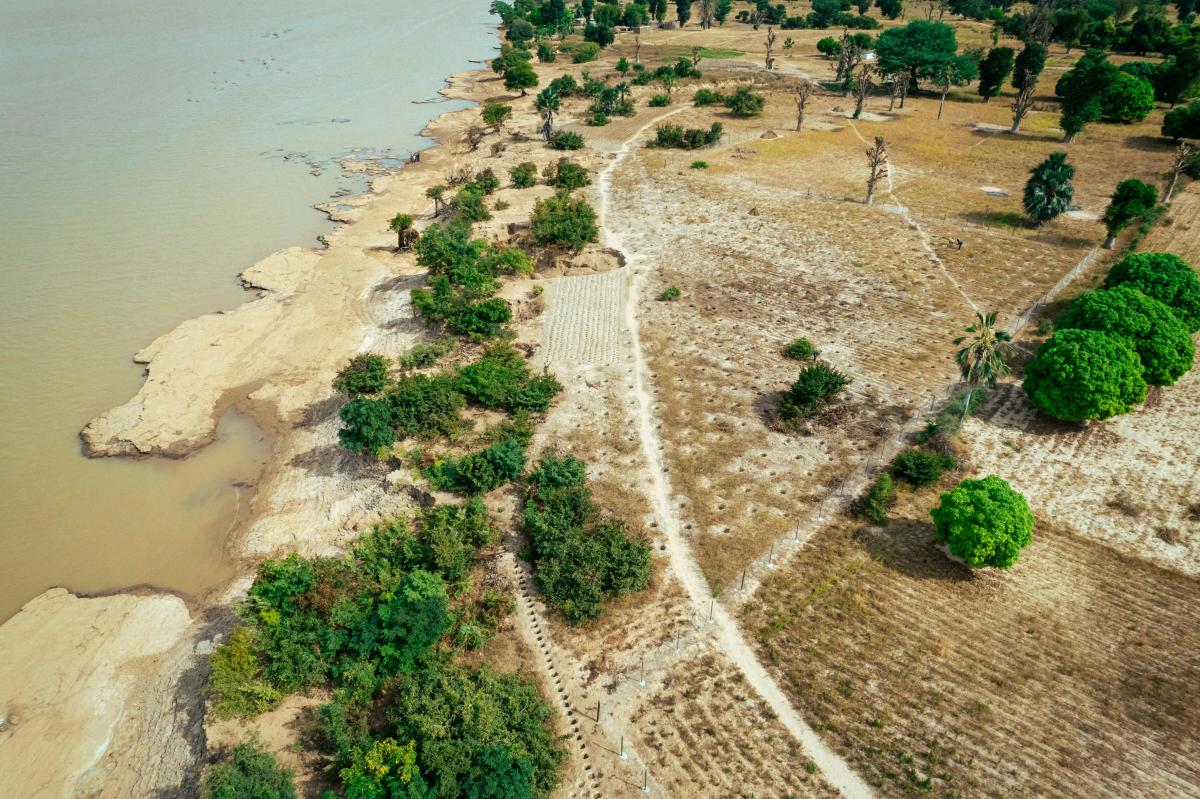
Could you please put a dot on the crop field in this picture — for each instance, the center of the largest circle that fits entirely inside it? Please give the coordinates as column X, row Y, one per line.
column 1071, row 676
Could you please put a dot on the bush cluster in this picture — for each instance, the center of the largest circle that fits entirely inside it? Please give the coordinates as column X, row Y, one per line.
column 365, row 374
column 479, row 472
column 919, row 468
column 566, row 140
column 676, row 137
column 705, row 97
column 564, row 221
column 659, row 101
column 566, row 174
column 745, row 103
column 817, row 384
column 800, row 350
column 248, row 772
column 524, row 175
column 874, row 504
column 581, row 558
column 501, row 380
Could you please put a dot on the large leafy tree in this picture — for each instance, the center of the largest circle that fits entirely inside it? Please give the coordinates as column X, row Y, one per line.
column 1048, row 191
column 1127, row 98
column 983, row 353
column 1179, row 77
column 1164, row 277
column 984, row 522
column 564, row 220
column 520, row 76
column 1085, row 374
column 1130, row 201
column 1028, row 66
column 1182, row 123
column 921, row 48
column 1161, row 341
column 994, row 70
column 1083, row 91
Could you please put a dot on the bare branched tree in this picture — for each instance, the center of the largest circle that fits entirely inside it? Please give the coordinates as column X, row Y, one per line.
column 637, row 45
column 697, row 52
column 877, row 162
column 706, row 13
column 862, row 87
column 770, row 47
column 474, row 137
column 905, row 81
column 804, row 90
column 1023, row 103
column 1178, row 162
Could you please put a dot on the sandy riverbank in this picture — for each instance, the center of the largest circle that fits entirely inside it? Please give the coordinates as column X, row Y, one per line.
column 82, row 707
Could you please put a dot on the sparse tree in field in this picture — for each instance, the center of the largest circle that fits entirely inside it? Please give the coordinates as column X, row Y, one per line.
column 982, row 355
column 623, row 66
column 668, row 80
column 984, row 522
column 722, row 11
column 548, row 103
column 438, row 195
column 1130, row 201
column 637, row 45
column 770, row 48
column 862, row 87
column 892, row 9
column 706, row 13
column 697, row 54
column 520, row 76
column 1029, row 65
column 958, row 71
column 402, row 225
column 1078, row 375
column 683, row 11
column 495, row 114
column 804, row 90
column 1179, row 163
column 994, row 70
column 473, row 136
column 900, row 82
column 1048, row 191
column 877, row 164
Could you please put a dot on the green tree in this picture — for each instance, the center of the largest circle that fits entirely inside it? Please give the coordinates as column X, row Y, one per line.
column 248, row 772
column 957, row 71
column 368, row 425
column 408, row 621
column 1048, row 191
column 994, row 70
column 1085, row 374
column 1130, row 201
column 563, row 220
column 520, row 76
column 892, row 9
column 386, row 770
column 828, row 46
column 402, row 226
column 365, row 374
column 1083, row 90
column 683, row 11
column 524, row 175
column 235, row 678
column 984, row 522
column 1163, row 277
column 1179, row 77
column 495, row 114
column 1128, row 98
column 548, row 103
column 745, row 103
column 1183, row 122
column 1028, row 66
column 1162, row 342
column 816, row 385
column 721, row 13
column 982, row 355
column 920, row 48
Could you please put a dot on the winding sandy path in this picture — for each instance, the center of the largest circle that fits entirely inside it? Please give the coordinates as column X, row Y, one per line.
column 833, row 768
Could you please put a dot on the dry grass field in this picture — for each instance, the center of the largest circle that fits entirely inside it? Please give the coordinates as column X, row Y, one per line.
column 1073, row 675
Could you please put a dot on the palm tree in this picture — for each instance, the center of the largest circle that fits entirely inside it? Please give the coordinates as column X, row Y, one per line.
column 437, row 194
column 402, row 224
column 548, row 102
column 982, row 360
column 1048, row 191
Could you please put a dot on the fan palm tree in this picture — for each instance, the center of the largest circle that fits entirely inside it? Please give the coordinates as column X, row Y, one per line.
column 982, row 360
column 1048, row 191
column 548, row 103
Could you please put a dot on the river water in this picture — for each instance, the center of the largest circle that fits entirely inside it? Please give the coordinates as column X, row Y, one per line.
column 149, row 151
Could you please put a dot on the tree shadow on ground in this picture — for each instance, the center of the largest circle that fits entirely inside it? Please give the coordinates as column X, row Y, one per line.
column 1150, row 144
column 1003, row 396
column 1002, row 219
column 910, row 547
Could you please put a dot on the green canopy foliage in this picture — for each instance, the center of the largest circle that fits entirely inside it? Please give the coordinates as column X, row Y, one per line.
column 994, row 70
column 1130, row 201
column 1085, row 374
column 1161, row 341
column 921, row 48
column 817, row 384
column 248, row 772
column 1164, row 277
column 365, row 374
column 984, row 522
column 563, row 220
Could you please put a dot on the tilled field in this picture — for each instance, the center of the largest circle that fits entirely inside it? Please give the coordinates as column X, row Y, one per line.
column 1074, row 675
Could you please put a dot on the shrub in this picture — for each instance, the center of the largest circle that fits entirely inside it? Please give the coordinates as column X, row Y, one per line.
column 524, row 175
column 984, row 522
column 479, row 472
column 566, row 174
column 1085, row 374
column 817, row 384
column 248, row 772
column 546, row 54
column 564, row 220
column 705, row 97
column 235, row 678
column 502, row 380
column 673, row 136
column 745, row 103
column 580, row 558
column 1161, row 341
column 426, row 354
column 874, row 504
column 566, row 140
column 586, row 52
column 1182, row 122
column 659, row 101
column 365, row 374
column 425, row 406
column 1163, row 277
column 485, row 181
column 800, row 350
column 368, row 425
column 699, row 165
column 470, row 205
column 919, row 468
column 669, row 293
column 598, row 119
